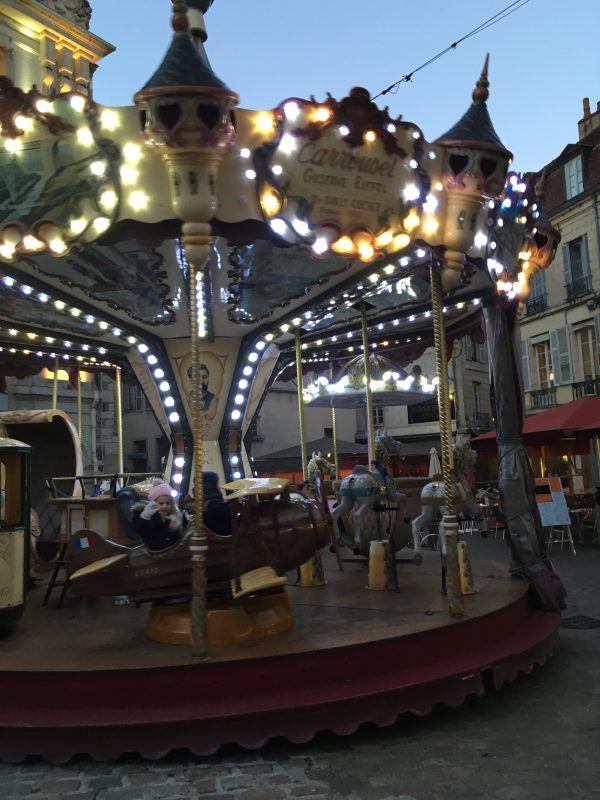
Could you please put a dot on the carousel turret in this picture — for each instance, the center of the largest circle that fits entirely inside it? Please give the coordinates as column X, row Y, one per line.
column 186, row 115
column 474, row 170
column 540, row 241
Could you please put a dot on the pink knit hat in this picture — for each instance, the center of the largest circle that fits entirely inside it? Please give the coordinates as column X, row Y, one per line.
column 158, row 489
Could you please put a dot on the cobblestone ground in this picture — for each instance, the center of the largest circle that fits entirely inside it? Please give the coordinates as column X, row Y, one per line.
column 536, row 738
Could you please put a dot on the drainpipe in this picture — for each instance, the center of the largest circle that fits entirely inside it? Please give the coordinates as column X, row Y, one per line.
column 597, row 221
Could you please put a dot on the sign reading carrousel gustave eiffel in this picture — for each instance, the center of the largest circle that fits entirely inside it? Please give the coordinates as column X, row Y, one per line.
column 341, row 176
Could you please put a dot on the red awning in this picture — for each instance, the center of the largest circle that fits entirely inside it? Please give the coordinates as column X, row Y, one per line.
column 557, row 424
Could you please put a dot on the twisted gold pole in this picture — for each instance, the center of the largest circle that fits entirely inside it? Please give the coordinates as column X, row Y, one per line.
column 301, row 406
column 450, row 522
column 55, row 385
column 368, row 393
column 335, row 447
column 198, row 543
column 79, row 410
column 334, row 431
column 119, row 416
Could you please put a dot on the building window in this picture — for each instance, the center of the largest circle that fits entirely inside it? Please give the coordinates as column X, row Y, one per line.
column 477, row 398
column 577, row 267
column 573, row 177
column 588, row 348
column 536, row 302
column 543, row 361
column 133, row 399
column 139, row 457
column 476, row 351
column 377, row 415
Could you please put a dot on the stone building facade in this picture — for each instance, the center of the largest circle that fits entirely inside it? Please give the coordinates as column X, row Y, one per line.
column 561, row 328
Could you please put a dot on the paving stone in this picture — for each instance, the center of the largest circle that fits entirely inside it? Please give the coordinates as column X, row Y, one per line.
column 59, row 786
column 104, row 782
column 262, row 793
column 17, row 789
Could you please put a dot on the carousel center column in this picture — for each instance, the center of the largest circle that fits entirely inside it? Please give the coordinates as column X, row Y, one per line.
column 186, row 114
column 449, row 521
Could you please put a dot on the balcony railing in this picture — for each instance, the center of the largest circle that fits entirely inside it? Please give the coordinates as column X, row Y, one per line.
column 579, row 287
column 481, row 420
column 543, row 398
column 584, row 388
column 536, row 304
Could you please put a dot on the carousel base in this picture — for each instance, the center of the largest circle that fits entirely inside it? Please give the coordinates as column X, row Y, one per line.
column 85, row 679
column 240, row 621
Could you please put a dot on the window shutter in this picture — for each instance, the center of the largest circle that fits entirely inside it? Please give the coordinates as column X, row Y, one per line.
column 597, row 332
column 555, row 357
column 561, row 356
column 525, row 365
column 566, row 263
column 585, row 255
column 538, row 284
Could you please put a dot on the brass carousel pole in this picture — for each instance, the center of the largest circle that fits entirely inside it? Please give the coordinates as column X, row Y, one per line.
column 335, row 447
column 334, row 434
column 311, row 572
column 368, row 394
column 450, row 522
column 119, row 419
column 55, row 384
column 192, row 153
column 79, row 415
column 301, row 418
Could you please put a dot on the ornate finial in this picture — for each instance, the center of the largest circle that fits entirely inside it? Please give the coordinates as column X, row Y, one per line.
column 179, row 20
column 540, row 187
column 481, row 93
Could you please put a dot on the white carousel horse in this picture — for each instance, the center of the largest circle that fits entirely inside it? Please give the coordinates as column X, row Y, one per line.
column 318, row 464
column 366, row 490
column 432, row 498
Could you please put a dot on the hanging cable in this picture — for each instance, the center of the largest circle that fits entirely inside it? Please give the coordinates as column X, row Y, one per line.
column 505, row 12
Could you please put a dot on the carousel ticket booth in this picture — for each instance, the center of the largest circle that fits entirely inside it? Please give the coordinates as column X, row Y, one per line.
column 14, row 528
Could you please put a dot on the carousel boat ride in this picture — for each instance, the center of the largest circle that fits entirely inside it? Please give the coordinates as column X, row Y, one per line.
column 200, row 252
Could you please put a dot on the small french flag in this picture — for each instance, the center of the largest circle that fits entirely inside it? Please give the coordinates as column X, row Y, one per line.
column 82, row 543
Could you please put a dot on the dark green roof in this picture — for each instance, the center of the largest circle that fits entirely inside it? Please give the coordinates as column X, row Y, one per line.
column 185, row 64
column 474, row 126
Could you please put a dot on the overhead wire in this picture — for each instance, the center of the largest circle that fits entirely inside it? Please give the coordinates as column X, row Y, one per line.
column 488, row 23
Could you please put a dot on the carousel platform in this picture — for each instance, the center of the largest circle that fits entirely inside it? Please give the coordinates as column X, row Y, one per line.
column 85, row 679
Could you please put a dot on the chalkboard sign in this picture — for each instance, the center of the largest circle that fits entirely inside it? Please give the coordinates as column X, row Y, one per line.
column 551, row 502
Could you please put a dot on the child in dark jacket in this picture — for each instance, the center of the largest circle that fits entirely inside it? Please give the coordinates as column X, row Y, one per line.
column 159, row 523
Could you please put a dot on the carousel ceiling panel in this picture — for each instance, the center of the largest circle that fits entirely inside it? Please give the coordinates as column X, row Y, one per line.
column 127, row 276
column 18, row 310
column 264, row 278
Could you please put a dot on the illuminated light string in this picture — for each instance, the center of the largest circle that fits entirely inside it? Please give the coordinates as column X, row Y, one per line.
column 157, row 369
column 252, row 356
column 281, row 127
column 390, row 381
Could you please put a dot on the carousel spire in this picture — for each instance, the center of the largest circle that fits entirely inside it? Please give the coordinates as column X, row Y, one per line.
column 185, row 63
column 475, row 126
column 475, row 165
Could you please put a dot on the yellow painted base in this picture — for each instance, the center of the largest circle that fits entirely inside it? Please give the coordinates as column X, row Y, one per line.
column 379, row 578
column 312, row 572
column 229, row 623
column 467, row 584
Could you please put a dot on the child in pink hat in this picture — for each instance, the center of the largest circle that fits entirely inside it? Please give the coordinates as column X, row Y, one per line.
column 159, row 523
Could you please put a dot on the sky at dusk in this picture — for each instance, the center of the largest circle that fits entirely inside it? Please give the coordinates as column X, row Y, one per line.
column 544, row 58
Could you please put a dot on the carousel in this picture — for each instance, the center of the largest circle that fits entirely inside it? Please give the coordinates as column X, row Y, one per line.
column 202, row 248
